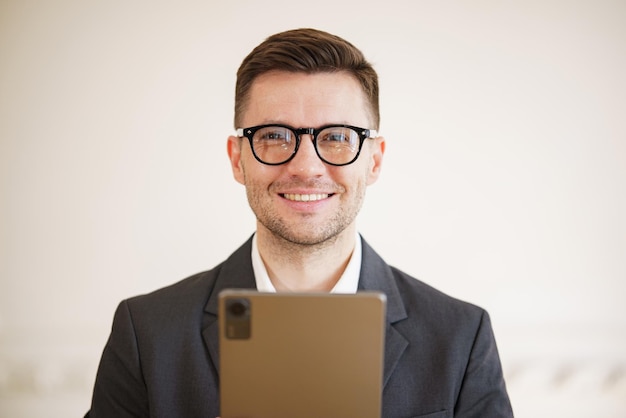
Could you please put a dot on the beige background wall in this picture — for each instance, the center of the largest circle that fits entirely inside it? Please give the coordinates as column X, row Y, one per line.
column 504, row 182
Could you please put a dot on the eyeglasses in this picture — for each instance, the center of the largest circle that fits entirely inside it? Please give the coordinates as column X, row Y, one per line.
column 277, row 144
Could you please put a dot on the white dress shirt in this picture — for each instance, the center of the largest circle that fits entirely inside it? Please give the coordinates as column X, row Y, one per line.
column 347, row 283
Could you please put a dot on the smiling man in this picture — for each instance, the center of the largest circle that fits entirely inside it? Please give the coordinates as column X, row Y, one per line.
column 306, row 148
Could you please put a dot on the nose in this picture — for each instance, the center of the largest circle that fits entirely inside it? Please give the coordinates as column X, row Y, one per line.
column 306, row 162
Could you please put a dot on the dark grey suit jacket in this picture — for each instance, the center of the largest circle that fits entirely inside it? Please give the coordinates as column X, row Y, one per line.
column 161, row 359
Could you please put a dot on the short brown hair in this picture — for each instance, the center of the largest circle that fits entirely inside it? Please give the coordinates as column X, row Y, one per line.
column 308, row 51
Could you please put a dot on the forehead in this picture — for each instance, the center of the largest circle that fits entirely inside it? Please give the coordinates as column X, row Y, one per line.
column 310, row 100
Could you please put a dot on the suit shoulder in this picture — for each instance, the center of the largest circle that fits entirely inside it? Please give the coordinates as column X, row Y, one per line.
column 189, row 293
column 417, row 293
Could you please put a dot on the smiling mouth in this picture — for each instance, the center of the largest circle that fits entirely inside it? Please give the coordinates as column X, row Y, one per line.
column 305, row 197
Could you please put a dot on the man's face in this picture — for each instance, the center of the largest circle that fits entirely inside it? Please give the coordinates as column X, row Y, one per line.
column 306, row 201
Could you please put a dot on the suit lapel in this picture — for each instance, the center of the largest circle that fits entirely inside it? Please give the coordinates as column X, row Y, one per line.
column 235, row 273
column 376, row 275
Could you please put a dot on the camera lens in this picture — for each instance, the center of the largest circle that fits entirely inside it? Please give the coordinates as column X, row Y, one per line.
column 238, row 307
column 237, row 318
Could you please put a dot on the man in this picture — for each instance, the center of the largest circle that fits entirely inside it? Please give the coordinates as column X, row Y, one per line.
column 306, row 114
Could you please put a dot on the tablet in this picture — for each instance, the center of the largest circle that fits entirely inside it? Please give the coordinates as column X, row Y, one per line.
column 286, row 355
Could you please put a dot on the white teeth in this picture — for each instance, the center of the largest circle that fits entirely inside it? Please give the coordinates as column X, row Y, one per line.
column 305, row 197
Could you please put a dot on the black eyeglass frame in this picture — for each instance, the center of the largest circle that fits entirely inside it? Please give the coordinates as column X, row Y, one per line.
column 314, row 132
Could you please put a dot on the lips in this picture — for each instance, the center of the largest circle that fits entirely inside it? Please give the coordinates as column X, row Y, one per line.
column 296, row 197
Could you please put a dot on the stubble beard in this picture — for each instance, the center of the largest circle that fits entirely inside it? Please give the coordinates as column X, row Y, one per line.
column 307, row 232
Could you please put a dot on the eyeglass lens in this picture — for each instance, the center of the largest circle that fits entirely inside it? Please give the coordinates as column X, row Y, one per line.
column 335, row 145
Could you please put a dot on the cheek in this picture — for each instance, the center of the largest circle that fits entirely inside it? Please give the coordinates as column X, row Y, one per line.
column 247, row 176
column 255, row 174
column 353, row 177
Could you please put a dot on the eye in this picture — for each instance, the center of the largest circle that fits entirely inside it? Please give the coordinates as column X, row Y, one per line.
column 273, row 135
column 337, row 137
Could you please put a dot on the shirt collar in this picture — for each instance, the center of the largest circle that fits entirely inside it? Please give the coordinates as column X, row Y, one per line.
column 347, row 283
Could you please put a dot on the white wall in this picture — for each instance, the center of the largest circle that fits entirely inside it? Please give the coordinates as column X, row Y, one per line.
column 504, row 181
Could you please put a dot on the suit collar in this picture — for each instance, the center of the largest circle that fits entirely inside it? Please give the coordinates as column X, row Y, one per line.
column 235, row 273
column 376, row 275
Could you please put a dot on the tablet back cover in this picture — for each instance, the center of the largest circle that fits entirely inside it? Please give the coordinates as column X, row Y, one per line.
column 301, row 354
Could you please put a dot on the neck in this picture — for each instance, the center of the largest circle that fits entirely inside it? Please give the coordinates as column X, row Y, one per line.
column 297, row 267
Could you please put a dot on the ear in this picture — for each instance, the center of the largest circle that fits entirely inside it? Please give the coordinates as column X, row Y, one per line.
column 377, row 150
column 233, row 147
